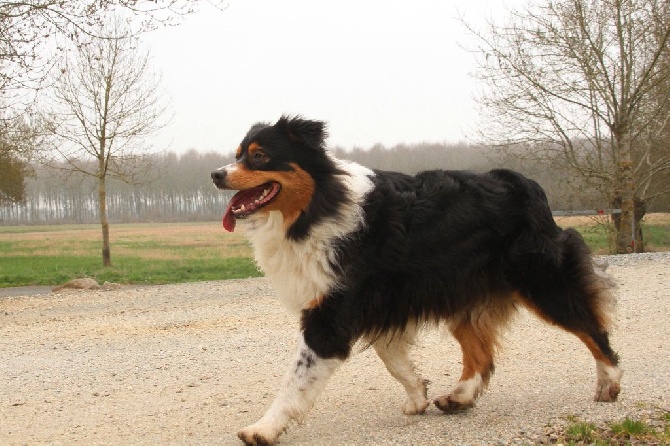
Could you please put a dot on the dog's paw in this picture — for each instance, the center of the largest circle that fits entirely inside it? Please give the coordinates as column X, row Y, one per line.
column 417, row 402
column 255, row 436
column 607, row 392
column 448, row 404
column 609, row 382
column 415, row 407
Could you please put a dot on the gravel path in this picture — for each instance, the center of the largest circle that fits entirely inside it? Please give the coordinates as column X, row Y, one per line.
column 192, row 363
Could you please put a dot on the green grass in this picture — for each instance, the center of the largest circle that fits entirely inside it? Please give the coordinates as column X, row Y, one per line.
column 597, row 237
column 657, row 236
column 627, row 432
column 599, row 234
column 581, row 431
column 141, row 254
column 631, row 427
column 53, row 270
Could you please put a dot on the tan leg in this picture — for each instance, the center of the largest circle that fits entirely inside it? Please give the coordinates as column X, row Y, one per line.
column 478, row 349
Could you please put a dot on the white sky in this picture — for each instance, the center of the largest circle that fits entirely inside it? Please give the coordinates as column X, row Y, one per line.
column 377, row 70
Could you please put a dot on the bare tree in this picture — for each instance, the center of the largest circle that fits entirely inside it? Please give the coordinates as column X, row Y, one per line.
column 581, row 83
column 33, row 37
column 33, row 34
column 105, row 102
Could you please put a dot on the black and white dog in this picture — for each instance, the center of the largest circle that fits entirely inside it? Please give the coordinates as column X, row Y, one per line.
column 370, row 255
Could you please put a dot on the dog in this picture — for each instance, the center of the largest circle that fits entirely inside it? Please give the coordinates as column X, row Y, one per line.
column 372, row 256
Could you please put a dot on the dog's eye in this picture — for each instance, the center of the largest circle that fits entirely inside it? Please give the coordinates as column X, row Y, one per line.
column 259, row 156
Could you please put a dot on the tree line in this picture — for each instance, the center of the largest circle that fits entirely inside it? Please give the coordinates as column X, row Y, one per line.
column 175, row 188
column 178, row 188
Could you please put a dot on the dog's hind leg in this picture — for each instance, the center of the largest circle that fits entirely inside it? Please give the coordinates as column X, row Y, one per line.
column 574, row 297
column 394, row 352
column 302, row 384
column 585, row 323
column 596, row 339
column 477, row 332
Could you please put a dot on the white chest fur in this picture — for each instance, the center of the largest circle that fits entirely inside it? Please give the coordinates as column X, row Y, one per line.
column 301, row 271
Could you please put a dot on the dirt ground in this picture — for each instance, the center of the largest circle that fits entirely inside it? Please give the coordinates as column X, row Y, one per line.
column 193, row 363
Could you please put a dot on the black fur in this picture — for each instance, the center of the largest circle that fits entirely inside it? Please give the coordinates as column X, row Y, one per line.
column 444, row 242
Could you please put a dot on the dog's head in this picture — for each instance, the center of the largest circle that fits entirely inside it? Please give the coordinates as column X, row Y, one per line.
column 282, row 167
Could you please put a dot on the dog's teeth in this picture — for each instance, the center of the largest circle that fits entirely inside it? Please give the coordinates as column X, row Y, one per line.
column 262, row 196
column 251, row 207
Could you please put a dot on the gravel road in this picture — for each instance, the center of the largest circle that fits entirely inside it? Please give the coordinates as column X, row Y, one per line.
column 193, row 363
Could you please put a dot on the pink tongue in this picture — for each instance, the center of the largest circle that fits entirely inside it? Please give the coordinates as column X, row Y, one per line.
column 228, row 218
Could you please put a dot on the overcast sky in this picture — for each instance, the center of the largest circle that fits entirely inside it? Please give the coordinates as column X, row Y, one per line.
column 377, row 70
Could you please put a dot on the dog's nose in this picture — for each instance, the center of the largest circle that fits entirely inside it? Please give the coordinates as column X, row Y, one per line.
column 218, row 175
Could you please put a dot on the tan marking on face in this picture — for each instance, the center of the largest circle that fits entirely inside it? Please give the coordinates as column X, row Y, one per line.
column 238, row 153
column 297, row 188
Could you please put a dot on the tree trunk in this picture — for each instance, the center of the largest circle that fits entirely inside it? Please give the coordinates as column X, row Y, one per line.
column 102, row 208
column 640, row 212
column 627, row 228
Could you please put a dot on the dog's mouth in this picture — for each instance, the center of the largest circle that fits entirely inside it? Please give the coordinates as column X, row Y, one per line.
column 247, row 201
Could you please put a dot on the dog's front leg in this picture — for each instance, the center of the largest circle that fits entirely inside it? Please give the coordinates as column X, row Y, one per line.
column 304, row 381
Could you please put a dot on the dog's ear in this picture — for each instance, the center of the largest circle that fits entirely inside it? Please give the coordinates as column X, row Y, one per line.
column 310, row 133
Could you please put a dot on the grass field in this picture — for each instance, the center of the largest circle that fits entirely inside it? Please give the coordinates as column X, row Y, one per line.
column 599, row 236
column 141, row 254
column 156, row 253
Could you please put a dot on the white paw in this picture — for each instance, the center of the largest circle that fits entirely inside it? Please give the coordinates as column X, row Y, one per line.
column 415, row 407
column 417, row 401
column 607, row 392
column 609, row 382
column 258, row 435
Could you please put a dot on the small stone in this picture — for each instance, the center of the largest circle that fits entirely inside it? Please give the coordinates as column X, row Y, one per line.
column 85, row 283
